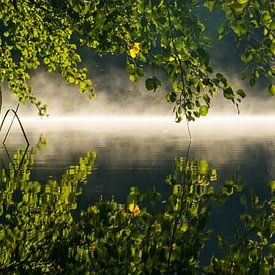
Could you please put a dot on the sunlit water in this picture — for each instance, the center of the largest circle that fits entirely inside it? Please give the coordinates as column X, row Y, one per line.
column 141, row 151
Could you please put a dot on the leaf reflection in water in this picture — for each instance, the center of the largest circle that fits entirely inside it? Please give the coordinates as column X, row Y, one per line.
column 39, row 234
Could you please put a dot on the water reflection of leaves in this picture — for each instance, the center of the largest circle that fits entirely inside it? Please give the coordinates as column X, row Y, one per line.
column 36, row 218
column 147, row 235
column 17, row 173
column 17, row 160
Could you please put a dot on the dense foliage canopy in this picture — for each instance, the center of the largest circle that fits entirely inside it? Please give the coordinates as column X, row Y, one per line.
column 164, row 35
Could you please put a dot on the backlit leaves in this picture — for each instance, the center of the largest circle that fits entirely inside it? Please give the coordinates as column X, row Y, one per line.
column 161, row 35
column 253, row 23
column 203, row 110
column 271, row 89
column 135, row 50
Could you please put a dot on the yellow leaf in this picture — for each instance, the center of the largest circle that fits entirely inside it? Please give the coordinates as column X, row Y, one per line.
column 135, row 50
column 171, row 58
column 133, row 53
column 93, row 247
column 136, row 47
column 95, row 9
column 134, row 208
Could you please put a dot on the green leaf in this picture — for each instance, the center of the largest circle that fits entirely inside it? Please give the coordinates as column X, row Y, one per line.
column 152, row 83
column 203, row 167
column 228, row 93
column 241, row 93
column 203, row 110
column 176, row 189
column 221, row 29
column 131, row 68
column 194, row 210
column 173, row 97
column 246, row 57
column 266, row 18
column 184, row 227
column 271, row 89
column 272, row 185
column 140, row 72
column 240, row 28
column 71, row 79
column 227, row 190
column 242, row 1
column 252, row 81
column 209, row 4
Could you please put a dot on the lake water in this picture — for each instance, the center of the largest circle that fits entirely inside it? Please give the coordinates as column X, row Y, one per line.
column 141, row 151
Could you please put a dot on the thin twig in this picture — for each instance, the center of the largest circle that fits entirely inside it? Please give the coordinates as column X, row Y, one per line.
column 181, row 72
column 11, row 122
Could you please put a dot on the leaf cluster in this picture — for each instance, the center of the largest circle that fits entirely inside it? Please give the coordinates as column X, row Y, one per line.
column 161, row 35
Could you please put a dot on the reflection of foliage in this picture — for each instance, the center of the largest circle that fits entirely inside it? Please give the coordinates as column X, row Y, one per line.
column 148, row 235
column 252, row 251
column 17, row 172
column 35, row 227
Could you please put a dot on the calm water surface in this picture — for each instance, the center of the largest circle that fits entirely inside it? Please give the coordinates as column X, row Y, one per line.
column 141, row 152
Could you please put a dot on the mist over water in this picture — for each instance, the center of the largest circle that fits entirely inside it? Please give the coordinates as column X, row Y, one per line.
column 117, row 95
